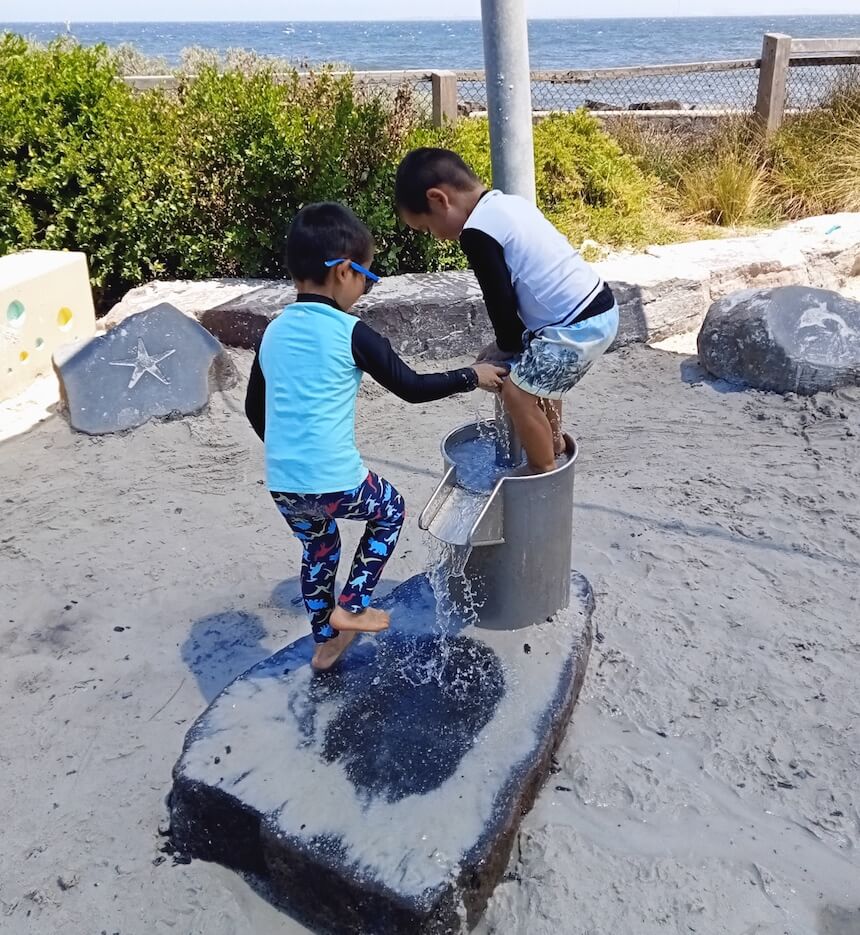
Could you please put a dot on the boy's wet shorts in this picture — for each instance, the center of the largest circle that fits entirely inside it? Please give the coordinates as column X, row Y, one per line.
column 557, row 359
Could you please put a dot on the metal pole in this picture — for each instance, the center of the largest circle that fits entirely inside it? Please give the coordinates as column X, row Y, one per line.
column 509, row 99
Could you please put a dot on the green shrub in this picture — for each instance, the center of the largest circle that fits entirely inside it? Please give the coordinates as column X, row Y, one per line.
column 87, row 165
column 718, row 178
column 729, row 191
column 204, row 180
column 733, row 176
column 657, row 152
column 129, row 60
column 727, row 183
column 196, row 183
column 592, row 190
column 585, row 184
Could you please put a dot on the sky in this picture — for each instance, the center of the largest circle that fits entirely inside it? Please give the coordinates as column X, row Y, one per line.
column 286, row 10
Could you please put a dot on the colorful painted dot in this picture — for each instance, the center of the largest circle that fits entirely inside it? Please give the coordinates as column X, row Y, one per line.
column 40, row 343
column 23, row 357
column 64, row 317
column 15, row 313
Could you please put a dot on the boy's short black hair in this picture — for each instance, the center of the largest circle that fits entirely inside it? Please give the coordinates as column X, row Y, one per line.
column 427, row 168
column 325, row 231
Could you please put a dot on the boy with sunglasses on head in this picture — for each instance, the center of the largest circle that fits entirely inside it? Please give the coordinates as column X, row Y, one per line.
column 301, row 402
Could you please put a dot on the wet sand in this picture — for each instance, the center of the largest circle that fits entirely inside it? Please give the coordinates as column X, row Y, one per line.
column 709, row 780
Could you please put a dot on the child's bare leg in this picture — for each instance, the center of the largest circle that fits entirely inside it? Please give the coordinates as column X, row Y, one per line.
column 531, row 425
column 552, row 410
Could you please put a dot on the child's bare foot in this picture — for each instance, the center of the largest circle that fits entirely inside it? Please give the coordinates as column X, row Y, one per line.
column 368, row 621
column 328, row 653
column 529, row 470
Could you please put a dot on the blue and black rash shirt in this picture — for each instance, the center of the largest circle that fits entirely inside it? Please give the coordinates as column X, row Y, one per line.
column 530, row 276
column 302, row 391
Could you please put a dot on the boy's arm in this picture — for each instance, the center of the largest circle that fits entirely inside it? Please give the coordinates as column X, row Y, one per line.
column 374, row 355
column 255, row 398
column 487, row 259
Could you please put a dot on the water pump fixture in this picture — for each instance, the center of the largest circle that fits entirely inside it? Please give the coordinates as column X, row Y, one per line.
column 516, row 528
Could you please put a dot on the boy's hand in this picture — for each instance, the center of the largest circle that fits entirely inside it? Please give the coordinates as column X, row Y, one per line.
column 490, row 376
column 492, row 352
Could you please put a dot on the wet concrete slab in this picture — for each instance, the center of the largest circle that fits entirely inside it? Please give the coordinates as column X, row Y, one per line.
column 384, row 796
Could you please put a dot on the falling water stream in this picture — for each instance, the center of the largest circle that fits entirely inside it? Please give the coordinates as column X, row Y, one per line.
column 448, row 546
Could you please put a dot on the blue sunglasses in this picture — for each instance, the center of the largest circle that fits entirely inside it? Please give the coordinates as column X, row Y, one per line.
column 370, row 279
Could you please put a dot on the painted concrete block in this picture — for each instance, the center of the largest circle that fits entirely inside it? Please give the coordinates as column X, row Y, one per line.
column 792, row 339
column 45, row 302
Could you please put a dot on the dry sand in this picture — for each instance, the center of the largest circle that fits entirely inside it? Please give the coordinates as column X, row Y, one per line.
column 709, row 781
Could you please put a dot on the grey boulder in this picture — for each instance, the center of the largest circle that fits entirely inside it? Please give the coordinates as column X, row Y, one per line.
column 792, row 339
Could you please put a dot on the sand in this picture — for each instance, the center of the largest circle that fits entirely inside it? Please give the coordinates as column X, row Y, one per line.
column 38, row 402
column 708, row 783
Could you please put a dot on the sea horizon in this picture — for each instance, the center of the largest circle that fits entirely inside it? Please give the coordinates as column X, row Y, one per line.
column 394, row 44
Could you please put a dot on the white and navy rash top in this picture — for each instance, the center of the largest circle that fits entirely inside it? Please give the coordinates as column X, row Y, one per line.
column 529, row 274
column 302, row 390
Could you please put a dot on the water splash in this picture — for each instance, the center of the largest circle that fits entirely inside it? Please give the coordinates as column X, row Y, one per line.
column 455, row 592
column 455, row 605
column 456, row 602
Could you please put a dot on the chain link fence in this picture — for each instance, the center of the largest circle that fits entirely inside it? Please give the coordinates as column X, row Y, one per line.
column 712, row 86
column 413, row 89
column 813, row 82
column 729, row 86
column 724, row 87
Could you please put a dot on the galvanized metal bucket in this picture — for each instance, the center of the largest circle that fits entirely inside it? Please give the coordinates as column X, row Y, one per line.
column 520, row 535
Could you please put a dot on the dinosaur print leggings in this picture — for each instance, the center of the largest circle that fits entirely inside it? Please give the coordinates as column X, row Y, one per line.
column 312, row 519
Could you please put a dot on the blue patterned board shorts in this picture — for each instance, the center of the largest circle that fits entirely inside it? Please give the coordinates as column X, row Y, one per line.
column 557, row 359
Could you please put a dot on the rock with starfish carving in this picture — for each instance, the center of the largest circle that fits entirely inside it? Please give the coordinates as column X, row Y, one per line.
column 156, row 364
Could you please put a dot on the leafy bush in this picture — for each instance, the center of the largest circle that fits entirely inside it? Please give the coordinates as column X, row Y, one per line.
column 585, row 184
column 590, row 189
column 129, row 60
column 81, row 160
column 204, row 180
column 195, row 183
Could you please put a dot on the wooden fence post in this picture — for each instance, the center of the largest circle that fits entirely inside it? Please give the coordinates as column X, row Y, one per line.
column 773, row 74
column 444, row 84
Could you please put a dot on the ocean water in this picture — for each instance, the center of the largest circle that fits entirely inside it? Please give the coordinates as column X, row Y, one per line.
column 591, row 43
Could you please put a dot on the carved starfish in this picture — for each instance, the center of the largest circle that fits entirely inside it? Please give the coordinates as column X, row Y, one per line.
column 144, row 363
